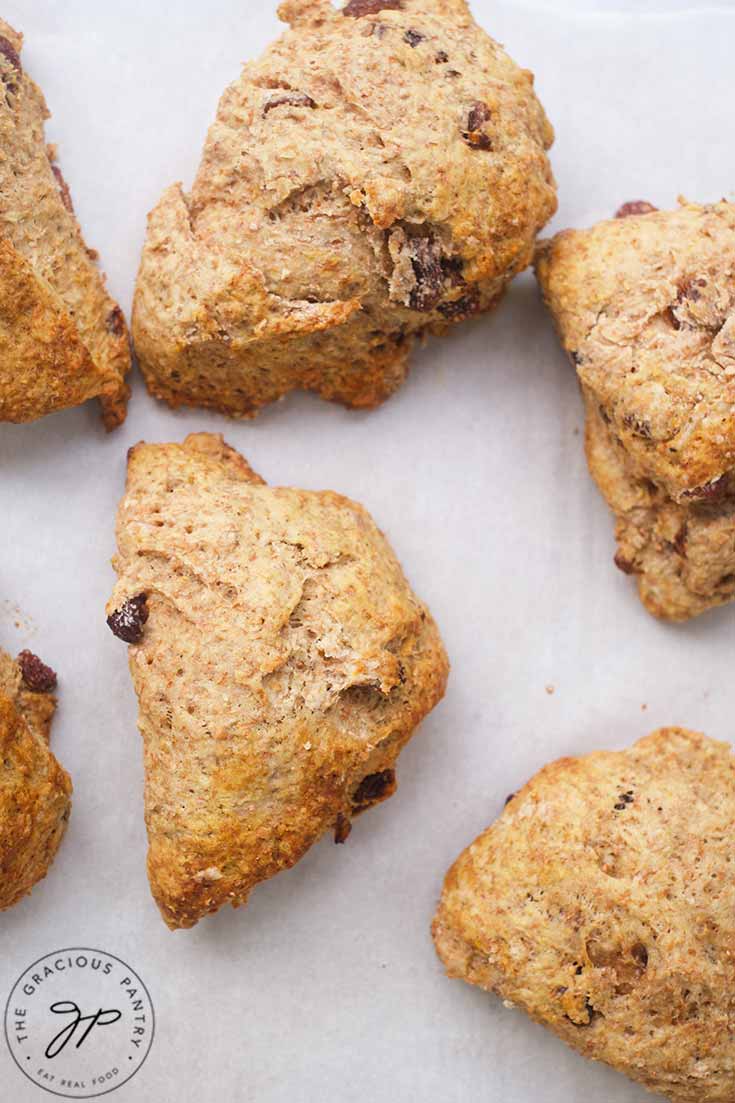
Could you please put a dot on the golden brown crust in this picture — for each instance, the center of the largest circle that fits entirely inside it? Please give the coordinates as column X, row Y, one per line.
column 375, row 175
column 601, row 902
column 283, row 661
column 35, row 792
column 63, row 340
column 682, row 554
column 645, row 307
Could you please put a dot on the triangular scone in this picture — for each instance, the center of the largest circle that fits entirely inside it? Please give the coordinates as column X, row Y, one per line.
column 378, row 173
column 280, row 659
column 62, row 338
column 602, row 903
column 35, row 792
column 645, row 307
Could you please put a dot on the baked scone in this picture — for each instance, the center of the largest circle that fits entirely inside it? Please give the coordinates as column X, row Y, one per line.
column 682, row 553
column 62, row 338
column 35, row 792
column 602, row 903
column 280, row 659
column 379, row 173
column 645, row 307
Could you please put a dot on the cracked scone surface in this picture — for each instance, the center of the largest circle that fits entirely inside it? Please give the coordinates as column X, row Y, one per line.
column 378, row 173
column 601, row 902
column 281, row 665
column 645, row 307
column 35, row 792
column 681, row 553
column 63, row 339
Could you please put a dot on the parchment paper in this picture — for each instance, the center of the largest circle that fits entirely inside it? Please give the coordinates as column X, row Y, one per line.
column 327, row 987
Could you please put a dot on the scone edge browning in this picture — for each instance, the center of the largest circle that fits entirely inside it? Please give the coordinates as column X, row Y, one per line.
column 368, row 179
column 284, row 662
column 63, row 339
column 35, row 792
column 600, row 902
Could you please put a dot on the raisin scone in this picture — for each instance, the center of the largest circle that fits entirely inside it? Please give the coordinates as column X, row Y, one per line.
column 280, row 660
column 35, row 792
column 379, row 173
column 63, row 340
column 602, row 903
column 682, row 553
column 645, row 307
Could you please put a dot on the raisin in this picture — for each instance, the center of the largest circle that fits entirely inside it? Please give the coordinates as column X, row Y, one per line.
column 441, row 57
column 624, row 564
column 508, row 799
column 342, row 829
column 63, row 188
column 292, row 99
column 474, row 135
column 428, row 266
column 9, row 52
column 358, row 8
column 36, row 675
column 127, row 621
column 635, row 206
column 115, row 322
column 620, row 807
column 709, row 491
column 413, row 38
column 374, row 787
column 461, row 308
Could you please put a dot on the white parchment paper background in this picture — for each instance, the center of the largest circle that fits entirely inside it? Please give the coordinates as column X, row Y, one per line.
column 327, row 987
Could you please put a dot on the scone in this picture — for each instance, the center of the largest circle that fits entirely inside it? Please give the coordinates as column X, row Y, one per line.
column 280, row 659
column 645, row 307
column 62, row 338
column 602, row 903
column 35, row 792
column 379, row 173
column 682, row 553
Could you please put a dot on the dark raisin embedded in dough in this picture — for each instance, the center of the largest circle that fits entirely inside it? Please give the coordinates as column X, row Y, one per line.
column 115, row 322
column 413, row 38
column 374, row 787
column 342, row 829
column 37, row 676
column 620, row 806
column 441, row 57
column 639, row 426
column 63, row 188
column 290, row 99
column 358, row 8
column 474, row 135
column 428, row 265
column 9, row 52
column 635, row 206
column 127, row 621
column 508, row 799
column 709, row 492
column 624, row 564
column 461, row 308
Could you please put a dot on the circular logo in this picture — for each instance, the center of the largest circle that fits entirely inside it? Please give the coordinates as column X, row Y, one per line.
column 79, row 1023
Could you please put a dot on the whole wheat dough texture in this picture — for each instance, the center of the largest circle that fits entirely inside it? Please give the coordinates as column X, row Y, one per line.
column 280, row 659
column 378, row 173
column 645, row 307
column 681, row 553
column 62, row 338
column 602, row 903
column 35, row 792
